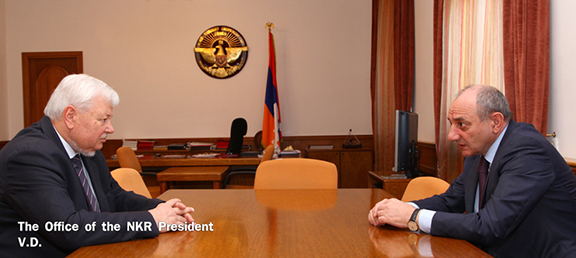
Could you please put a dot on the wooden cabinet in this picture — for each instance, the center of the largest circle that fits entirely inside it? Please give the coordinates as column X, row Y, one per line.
column 394, row 185
column 353, row 165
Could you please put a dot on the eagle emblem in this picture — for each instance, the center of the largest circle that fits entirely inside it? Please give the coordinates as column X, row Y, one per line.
column 221, row 52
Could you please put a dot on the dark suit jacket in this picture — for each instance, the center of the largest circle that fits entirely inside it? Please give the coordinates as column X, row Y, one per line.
column 529, row 207
column 38, row 185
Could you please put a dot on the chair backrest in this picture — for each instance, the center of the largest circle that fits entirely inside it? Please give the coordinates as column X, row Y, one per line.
column 296, row 173
column 268, row 153
column 258, row 146
column 130, row 180
column 237, row 132
column 424, row 187
column 127, row 158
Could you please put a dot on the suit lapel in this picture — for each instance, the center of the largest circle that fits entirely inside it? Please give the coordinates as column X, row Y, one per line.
column 494, row 174
column 471, row 182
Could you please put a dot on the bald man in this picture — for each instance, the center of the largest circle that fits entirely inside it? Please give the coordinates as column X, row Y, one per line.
column 527, row 205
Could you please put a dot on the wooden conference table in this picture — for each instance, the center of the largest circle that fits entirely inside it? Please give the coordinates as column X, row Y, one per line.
column 285, row 223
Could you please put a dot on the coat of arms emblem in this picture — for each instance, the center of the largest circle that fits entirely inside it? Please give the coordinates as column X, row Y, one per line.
column 221, row 52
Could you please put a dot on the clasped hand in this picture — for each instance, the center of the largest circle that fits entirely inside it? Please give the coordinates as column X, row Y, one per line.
column 172, row 212
column 392, row 212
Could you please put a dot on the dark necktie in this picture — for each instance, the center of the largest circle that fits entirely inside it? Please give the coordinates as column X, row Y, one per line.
column 482, row 175
column 77, row 163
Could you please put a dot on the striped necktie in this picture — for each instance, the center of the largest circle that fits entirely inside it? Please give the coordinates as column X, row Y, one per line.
column 77, row 163
column 482, row 175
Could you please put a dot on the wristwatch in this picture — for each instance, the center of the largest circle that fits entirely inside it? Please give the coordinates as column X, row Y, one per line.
column 412, row 224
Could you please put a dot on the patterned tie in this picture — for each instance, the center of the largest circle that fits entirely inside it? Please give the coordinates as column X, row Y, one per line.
column 77, row 163
column 482, row 174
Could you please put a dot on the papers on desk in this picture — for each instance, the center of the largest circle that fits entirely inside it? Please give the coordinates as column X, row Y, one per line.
column 130, row 143
column 206, row 155
column 396, row 176
column 200, row 146
column 290, row 153
column 174, row 156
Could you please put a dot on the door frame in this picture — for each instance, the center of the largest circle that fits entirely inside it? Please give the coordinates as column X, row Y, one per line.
column 27, row 80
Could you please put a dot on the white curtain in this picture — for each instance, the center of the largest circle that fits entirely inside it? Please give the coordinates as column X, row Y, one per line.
column 472, row 53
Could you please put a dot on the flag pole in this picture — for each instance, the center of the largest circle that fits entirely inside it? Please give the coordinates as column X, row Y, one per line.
column 271, row 132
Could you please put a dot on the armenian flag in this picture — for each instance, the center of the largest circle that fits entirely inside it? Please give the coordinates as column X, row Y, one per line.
column 271, row 133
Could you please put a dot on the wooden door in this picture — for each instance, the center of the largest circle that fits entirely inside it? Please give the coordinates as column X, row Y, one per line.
column 41, row 72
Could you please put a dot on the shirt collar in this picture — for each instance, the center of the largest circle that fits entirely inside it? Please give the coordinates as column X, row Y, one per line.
column 492, row 151
column 69, row 150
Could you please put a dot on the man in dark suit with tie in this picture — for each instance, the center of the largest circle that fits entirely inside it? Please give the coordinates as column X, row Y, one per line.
column 526, row 206
column 56, row 192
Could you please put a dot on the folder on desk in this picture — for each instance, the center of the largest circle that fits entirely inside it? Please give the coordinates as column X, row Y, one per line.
column 200, row 145
column 177, row 146
column 221, row 144
column 249, row 154
column 145, row 145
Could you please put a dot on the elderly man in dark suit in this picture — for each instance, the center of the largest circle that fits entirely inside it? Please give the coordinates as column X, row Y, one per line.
column 525, row 206
column 56, row 192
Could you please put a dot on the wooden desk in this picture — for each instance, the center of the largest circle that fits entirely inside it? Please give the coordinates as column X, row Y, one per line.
column 188, row 161
column 213, row 173
column 285, row 223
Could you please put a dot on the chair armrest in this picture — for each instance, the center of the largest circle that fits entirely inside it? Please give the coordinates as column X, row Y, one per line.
column 227, row 179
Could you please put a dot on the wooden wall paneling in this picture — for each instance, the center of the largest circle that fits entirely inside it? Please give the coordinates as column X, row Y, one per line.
column 354, row 165
column 297, row 142
column 302, row 142
column 428, row 158
column 330, row 156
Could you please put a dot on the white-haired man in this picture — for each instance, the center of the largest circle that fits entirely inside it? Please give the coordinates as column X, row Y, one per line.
column 56, row 192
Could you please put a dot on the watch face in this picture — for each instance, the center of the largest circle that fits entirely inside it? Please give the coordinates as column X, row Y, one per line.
column 412, row 226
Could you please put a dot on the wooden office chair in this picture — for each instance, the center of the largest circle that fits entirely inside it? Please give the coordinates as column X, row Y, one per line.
column 424, row 187
column 130, row 180
column 127, row 159
column 258, row 146
column 296, row 173
column 237, row 131
column 267, row 155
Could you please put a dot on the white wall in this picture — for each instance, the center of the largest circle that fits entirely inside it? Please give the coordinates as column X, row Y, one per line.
column 562, row 91
column 144, row 50
column 3, row 86
column 424, row 76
